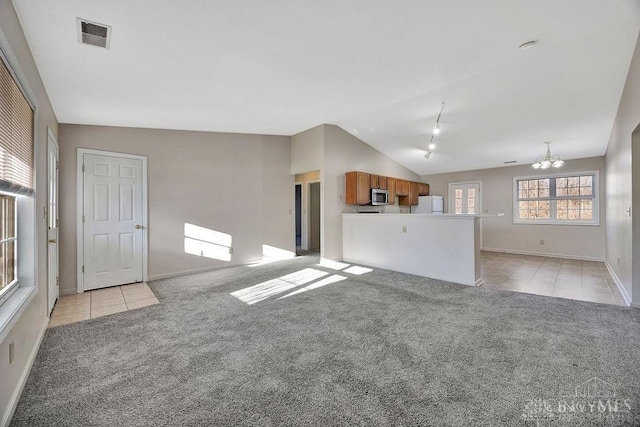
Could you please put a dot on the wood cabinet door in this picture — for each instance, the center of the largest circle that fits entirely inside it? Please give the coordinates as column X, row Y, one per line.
column 375, row 181
column 382, row 182
column 358, row 188
column 391, row 189
column 402, row 187
column 413, row 193
column 423, row 189
column 363, row 188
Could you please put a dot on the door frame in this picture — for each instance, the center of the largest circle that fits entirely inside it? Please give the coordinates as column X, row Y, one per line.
column 479, row 199
column 301, row 184
column 306, row 223
column 51, row 137
column 450, row 204
column 80, row 207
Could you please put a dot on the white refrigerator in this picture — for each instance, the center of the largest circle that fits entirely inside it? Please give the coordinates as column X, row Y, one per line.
column 429, row 205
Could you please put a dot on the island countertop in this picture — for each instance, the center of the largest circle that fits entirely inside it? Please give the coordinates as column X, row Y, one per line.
column 439, row 246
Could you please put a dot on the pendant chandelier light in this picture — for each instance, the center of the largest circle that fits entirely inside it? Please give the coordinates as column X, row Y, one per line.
column 548, row 160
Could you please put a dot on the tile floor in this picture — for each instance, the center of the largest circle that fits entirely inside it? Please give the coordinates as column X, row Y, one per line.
column 558, row 277
column 101, row 302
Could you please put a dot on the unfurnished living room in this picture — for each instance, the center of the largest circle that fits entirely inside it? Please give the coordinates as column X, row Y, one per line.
column 245, row 213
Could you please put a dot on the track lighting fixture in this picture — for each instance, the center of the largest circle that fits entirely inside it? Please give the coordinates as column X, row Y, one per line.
column 436, row 129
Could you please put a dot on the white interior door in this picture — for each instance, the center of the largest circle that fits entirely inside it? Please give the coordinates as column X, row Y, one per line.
column 53, row 284
column 464, row 198
column 112, row 220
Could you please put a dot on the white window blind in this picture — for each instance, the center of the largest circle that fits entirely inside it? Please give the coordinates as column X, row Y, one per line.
column 16, row 136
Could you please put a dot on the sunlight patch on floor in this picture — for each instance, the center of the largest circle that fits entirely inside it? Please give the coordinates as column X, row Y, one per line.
column 357, row 270
column 271, row 254
column 264, row 290
column 324, row 282
column 334, row 265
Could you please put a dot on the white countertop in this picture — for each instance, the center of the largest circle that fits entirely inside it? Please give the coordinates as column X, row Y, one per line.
column 430, row 216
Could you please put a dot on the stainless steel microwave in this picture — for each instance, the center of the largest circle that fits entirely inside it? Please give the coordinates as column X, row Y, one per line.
column 379, row 197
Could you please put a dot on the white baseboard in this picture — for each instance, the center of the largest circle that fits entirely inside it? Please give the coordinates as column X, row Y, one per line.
column 199, row 270
column 15, row 398
column 550, row 255
column 618, row 282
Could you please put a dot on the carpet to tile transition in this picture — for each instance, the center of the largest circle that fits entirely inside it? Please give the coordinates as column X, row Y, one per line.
column 295, row 343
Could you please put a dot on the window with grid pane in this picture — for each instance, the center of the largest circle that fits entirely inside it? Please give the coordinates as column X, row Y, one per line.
column 16, row 170
column 559, row 199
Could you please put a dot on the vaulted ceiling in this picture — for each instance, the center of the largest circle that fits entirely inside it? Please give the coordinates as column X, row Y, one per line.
column 378, row 68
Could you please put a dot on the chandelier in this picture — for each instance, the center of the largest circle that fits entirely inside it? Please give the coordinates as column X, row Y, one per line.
column 548, row 160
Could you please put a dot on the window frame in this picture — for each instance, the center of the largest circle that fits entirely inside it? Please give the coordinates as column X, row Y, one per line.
column 17, row 300
column 11, row 287
column 553, row 200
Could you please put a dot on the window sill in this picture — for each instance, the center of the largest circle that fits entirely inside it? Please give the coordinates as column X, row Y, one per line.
column 571, row 224
column 11, row 310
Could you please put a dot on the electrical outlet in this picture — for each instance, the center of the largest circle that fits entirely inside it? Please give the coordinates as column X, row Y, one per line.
column 542, row 242
column 486, row 211
column 618, row 261
column 11, row 352
column 404, row 228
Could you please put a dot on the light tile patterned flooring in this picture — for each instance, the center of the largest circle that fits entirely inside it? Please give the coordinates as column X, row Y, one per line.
column 557, row 277
column 101, row 302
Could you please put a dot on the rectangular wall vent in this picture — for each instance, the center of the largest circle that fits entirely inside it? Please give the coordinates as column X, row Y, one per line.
column 93, row 33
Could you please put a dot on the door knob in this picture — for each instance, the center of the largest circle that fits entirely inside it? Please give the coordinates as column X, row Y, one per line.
column 138, row 226
column 52, row 241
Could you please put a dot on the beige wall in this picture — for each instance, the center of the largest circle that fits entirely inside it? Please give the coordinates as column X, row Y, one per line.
column 233, row 183
column 306, row 150
column 619, row 183
column 344, row 152
column 501, row 233
column 28, row 329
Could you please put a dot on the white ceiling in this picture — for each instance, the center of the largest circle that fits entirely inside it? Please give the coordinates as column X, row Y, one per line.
column 379, row 69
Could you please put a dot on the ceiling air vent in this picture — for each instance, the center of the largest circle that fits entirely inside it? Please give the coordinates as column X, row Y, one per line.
column 93, row 33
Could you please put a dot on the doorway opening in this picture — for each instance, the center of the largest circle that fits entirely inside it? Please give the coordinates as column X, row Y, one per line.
column 307, row 212
column 298, row 208
column 314, row 217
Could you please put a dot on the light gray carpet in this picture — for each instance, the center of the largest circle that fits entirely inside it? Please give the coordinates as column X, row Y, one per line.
column 381, row 348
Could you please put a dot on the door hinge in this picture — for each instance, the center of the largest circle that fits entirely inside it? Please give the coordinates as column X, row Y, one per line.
column 82, row 218
column 57, row 223
column 57, row 164
column 83, row 268
column 46, row 215
column 83, row 168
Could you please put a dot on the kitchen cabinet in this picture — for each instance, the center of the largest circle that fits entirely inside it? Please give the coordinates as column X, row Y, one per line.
column 402, row 187
column 359, row 185
column 391, row 189
column 358, row 188
column 423, row 189
column 378, row 181
column 411, row 199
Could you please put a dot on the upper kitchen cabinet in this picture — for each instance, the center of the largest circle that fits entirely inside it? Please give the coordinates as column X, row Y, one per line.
column 391, row 189
column 358, row 191
column 423, row 189
column 378, row 181
column 402, row 187
column 411, row 199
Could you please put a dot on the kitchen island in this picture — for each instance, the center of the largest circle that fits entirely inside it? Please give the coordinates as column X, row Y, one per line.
column 445, row 247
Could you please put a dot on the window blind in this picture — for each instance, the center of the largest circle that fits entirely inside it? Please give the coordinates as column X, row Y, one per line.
column 16, row 136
